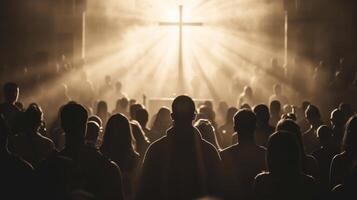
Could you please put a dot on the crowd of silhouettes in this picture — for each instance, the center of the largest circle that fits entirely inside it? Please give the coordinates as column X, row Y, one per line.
column 193, row 150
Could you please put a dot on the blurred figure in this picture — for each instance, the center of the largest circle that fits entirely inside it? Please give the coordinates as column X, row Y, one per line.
column 30, row 144
column 227, row 129
column 285, row 178
column 122, row 107
column 161, row 123
column 246, row 97
column 142, row 116
column 338, row 126
column 275, row 112
column 342, row 163
column 325, row 154
column 102, row 112
column 242, row 161
column 313, row 116
column 8, row 108
column 308, row 163
column 207, row 132
column 119, row 146
column 278, row 96
column 264, row 129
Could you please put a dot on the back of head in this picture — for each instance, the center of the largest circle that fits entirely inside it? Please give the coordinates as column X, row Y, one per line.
column 346, row 109
column 11, row 92
column 183, row 109
column 324, row 134
column 74, row 122
column 96, row 119
column 33, row 117
column 230, row 114
column 207, row 131
column 117, row 135
column 312, row 113
column 93, row 130
column 142, row 116
column 245, row 124
column 133, row 108
column 293, row 128
column 337, row 118
column 350, row 137
column 122, row 103
column 102, row 107
column 262, row 113
column 275, row 107
column 283, row 154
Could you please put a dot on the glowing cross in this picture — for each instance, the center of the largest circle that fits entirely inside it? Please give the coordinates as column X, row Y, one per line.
column 180, row 24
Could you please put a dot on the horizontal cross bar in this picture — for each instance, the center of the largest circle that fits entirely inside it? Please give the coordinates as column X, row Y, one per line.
column 178, row 24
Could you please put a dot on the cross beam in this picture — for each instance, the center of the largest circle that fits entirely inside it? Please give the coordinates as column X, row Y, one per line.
column 180, row 24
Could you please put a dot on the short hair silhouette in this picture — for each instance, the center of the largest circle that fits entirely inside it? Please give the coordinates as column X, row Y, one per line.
column 283, row 153
column 96, row 119
column 93, row 130
column 350, row 137
column 183, row 109
column 142, row 116
column 33, row 117
column 74, row 122
column 337, row 117
column 275, row 107
column 245, row 123
column 291, row 127
column 133, row 108
column 102, row 106
column 262, row 113
column 11, row 92
column 312, row 113
column 324, row 134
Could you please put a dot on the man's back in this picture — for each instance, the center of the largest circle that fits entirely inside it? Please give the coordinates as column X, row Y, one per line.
column 98, row 175
column 241, row 163
column 180, row 165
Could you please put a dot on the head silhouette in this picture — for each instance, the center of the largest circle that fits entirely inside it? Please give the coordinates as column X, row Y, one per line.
column 11, row 92
column 142, row 116
column 324, row 134
column 96, row 119
column 275, row 108
column 245, row 124
column 292, row 127
column 162, row 120
column 74, row 123
column 350, row 137
column 33, row 117
column 93, row 130
column 122, row 104
column 118, row 138
column 337, row 118
column 312, row 114
column 207, row 131
column 183, row 110
column 133, row 108
column 230, row 115
column 262, row 113
column 102, row 107
column 283, row 154
column 248, row 91
column 277, row 89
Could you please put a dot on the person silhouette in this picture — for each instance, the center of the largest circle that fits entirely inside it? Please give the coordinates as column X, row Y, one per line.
column 207, row 131
column 313, row 116
column 8, row 108
column 324, row 154
column 142, row 116
column 180, row 165
column 284, row 178
column 16, row 174
column 102, row 112
column 31, row 145
column 243, row 161
column 275, row 112
column 246, row 97
column 162, row 122
column 347, row 189
column 264, row 129
column 142, row 142
column 98, row 175
column 226, row 131
column 309, row 163
column 278, row 96
column 122, row 106
column 338, row 122
column 119, row 146
column 342, row 163
column 93, row 131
